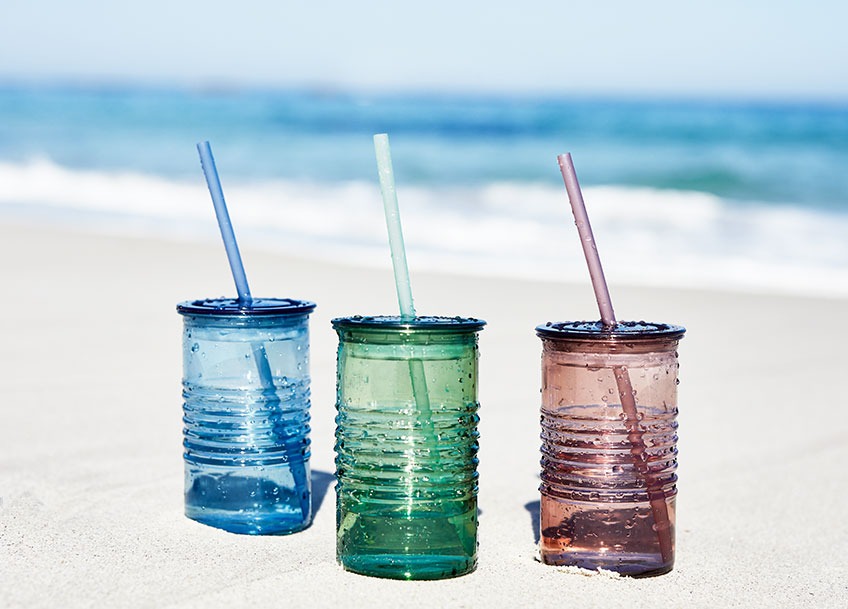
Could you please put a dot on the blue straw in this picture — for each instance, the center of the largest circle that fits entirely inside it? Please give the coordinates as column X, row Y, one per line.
column 207, row 161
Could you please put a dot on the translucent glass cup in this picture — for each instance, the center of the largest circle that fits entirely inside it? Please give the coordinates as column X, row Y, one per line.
column 246, row 414
column 406, row 446
column 608, row 478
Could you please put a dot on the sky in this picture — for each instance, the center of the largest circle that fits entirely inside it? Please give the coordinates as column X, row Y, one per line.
column 721, row 48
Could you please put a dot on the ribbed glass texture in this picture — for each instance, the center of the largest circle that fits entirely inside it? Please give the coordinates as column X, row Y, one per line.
column 246, row 422
column 406, row 448
column 600, row 475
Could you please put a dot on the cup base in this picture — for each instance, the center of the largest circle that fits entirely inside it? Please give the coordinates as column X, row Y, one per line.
column 409, row 567
column 630, row 565
column 247, row 503
column 415, row 546
column 248, row 523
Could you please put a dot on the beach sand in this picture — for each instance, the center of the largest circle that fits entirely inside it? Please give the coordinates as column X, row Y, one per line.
column 91, row 468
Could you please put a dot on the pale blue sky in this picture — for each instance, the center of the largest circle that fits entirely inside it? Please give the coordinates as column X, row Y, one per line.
column 759, row 48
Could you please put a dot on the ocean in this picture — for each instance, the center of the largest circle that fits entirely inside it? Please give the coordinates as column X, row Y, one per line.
column 749, row 196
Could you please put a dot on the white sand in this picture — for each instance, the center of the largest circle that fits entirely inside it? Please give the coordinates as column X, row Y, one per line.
column 90, row 452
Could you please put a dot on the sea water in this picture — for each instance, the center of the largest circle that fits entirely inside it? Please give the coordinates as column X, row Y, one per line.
column 706, row 193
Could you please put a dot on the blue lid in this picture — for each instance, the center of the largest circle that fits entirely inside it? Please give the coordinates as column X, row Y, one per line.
column 394, row 322
column 623, row 330
column 258, row 306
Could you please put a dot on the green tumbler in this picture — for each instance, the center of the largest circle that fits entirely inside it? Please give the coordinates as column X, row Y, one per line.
column 406, row 446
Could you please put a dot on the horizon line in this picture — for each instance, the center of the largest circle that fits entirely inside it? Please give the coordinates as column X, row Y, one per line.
column 331, row 89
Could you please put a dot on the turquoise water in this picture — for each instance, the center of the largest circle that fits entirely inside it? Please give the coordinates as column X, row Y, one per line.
column 750, row 195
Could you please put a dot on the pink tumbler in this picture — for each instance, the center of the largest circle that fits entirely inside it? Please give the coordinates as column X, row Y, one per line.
column 608, row 473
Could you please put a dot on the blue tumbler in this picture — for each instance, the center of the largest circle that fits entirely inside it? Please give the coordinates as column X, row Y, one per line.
column 246, row 414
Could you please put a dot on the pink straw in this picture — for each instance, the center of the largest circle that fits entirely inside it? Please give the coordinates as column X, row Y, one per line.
column 659, row 508
column 587, row 239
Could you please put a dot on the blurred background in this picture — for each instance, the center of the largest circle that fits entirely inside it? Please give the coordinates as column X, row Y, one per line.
column 711, row 140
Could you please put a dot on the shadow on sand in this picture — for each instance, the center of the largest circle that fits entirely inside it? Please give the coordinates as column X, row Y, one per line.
column 321, row 482
column 533, row 508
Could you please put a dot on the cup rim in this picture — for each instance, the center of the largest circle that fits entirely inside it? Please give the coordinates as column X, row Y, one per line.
column 397, row 323
column 622, row 331
column 258, row 307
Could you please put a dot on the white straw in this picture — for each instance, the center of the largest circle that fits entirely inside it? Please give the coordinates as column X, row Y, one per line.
column 390, row 203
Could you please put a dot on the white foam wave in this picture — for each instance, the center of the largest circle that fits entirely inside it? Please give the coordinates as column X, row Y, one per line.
column 646, row 236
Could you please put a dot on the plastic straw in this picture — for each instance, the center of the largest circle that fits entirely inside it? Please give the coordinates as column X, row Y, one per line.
column 390, row 205
column 266, row 376
column 402, row 283
column 587, row 239
column 659, row 508
column 207, row 162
